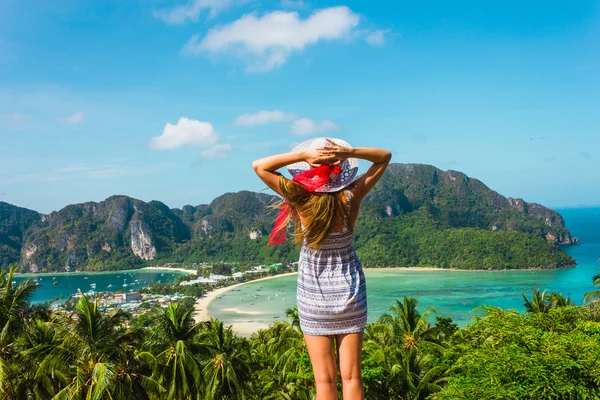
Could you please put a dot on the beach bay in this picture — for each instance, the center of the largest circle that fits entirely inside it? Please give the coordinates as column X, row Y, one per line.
column 112, row 281
column 255, row 305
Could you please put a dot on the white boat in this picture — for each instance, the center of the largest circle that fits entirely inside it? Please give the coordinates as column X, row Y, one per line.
column 110, row 286
column 93, row 285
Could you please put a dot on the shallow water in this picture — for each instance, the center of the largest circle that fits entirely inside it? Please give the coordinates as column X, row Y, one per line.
column 68, row 283
column 450, row 293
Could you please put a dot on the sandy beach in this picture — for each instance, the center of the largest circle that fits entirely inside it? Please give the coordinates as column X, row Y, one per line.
column 241, row 327
column 189, row 271
column 247, row 327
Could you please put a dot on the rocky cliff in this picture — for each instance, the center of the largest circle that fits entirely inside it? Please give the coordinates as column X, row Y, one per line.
column 457, row 200
column 121, row 232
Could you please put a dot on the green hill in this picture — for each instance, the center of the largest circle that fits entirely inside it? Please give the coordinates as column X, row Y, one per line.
column 417, row 215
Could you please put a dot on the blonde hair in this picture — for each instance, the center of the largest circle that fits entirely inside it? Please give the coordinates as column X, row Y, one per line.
column 319, row 211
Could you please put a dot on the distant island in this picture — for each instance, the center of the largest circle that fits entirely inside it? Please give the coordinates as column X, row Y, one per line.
column 417, row 215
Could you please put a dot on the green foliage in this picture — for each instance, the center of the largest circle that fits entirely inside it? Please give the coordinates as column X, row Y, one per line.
column 14, row 222
column 546, row 354
column 418, row 239
column 539, row 355
column 222, row 269
column 417, row 215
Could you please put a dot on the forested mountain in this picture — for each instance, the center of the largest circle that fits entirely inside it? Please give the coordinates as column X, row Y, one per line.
column 417, row 215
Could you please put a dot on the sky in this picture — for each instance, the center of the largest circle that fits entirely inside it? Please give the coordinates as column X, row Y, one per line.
column 173, row 100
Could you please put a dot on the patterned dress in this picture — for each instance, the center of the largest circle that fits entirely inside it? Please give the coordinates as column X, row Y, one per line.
column 332, row 292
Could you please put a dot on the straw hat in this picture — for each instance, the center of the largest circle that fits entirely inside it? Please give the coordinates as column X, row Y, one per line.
column 349, row 167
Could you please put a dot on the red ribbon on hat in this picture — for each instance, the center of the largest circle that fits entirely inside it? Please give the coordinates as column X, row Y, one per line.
column 310, row 180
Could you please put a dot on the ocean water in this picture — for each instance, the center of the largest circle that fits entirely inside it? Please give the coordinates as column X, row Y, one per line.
column 68, row 283
column 449, row 293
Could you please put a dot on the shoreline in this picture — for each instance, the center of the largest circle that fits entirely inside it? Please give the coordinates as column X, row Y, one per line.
column 248, row 327
column 201, row 312
column 433, row 269
column 194, row 272
column 188, row 271
column 120, row 271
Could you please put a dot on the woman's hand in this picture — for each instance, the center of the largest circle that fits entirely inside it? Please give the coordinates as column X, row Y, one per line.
column 340, row 153
column 317, row 157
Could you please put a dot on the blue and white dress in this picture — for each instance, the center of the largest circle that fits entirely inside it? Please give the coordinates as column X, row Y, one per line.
column 331, row 292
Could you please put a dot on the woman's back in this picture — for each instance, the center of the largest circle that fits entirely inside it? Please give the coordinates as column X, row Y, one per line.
column 331, row 290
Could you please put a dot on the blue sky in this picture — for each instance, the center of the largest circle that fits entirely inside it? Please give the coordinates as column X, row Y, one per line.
column 172, row 100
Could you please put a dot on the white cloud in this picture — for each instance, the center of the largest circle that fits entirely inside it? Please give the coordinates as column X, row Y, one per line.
column 218, row 151
column 263, row 118
column 74, row 119
column 185, row 132
column 376, row 38
column 192, row 10
column 265, row 43
column 306, row 126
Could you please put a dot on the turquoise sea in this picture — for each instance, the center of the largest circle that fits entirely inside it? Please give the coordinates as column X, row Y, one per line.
column 68, row 283
column 450, row 293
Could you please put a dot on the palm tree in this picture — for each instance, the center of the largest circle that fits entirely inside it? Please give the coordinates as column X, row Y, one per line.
column 173, row 336
column 283, row 366
column 403, row 344
column 408, row 325
column 539, row 302
column 542, row 303
column 594, row 295
column 16, row 315
column 558, row 300
column 226, row 361
column 96, row 357
column 292, row 314
column 15, row 308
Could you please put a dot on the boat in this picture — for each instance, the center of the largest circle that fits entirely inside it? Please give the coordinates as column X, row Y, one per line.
column 110, row 286
column 55, row 283
column 85, row 277
column 93, row 285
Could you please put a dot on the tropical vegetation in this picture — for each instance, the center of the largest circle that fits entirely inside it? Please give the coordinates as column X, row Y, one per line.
column 426, row 216
column 549, row 351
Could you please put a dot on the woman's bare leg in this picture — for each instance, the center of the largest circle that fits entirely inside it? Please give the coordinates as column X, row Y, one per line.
column 349, row 348
column 322, row 358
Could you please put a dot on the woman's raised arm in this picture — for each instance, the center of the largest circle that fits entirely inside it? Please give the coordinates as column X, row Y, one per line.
column 379, row 157
column 265, row 167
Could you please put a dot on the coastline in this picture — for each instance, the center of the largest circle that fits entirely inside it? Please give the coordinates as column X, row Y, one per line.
column 248, row 327
column 432, row 269
column 120, row 271
column 201, row 312
column 194, row 272
column 189, row 271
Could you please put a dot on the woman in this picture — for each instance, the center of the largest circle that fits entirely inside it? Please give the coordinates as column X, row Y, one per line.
column 324, row 197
